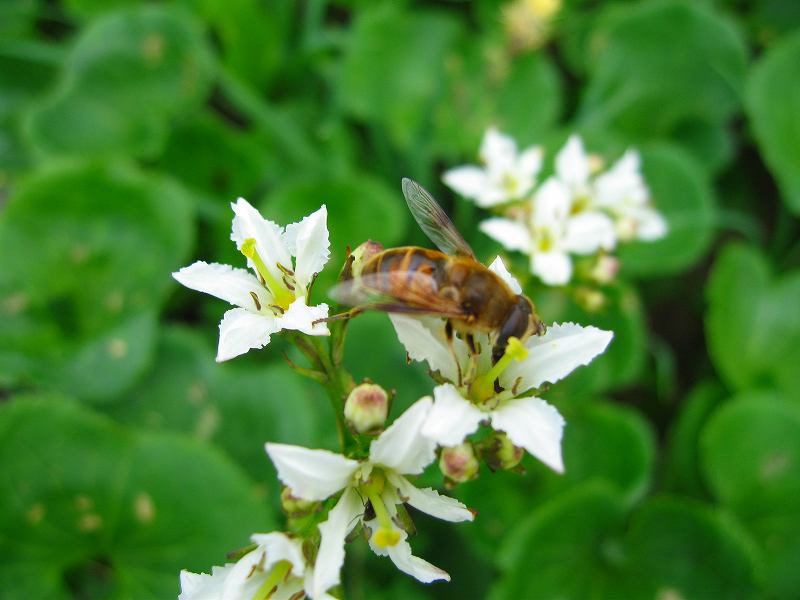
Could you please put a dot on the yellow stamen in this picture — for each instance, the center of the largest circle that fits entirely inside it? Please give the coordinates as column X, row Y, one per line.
column 483, row 387
column 283, row 297
column 387, row 534
column 274, row 579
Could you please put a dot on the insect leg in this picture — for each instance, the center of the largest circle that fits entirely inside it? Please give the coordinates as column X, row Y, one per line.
column 448, row 332
column 348, row 314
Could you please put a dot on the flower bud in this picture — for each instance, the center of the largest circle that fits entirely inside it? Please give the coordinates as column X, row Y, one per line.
column 590, row 299
column 366, row 408
column 362, row 254
column 458, row 463
column 297, row 507
column 605, row 269
column 500, row 453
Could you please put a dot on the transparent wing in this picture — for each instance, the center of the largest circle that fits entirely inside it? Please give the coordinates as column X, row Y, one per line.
column 399, row 292
column 433, row 220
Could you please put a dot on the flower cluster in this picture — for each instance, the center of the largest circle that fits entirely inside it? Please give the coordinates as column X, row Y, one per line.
column 330, row 497
column 579, row 210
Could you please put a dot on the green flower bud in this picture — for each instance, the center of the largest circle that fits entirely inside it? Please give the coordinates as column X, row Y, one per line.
column 459, row 463
column 366, row 408
column 500, row 453
column 297, row 507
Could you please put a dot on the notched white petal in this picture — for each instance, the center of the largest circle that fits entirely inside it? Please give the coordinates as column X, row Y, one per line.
column 330, row 558
column 572, row 163
column 311, row 474
column 235, row 286
column 553, row 268
column 511, row 234
column 468, row 181
column 248, row 223
column 241, row 330
column 424, row 340
column 451, row 418
column 300, row 317
column 200, row 586
column 499, row 267
column 280, row 546
column 402, row 446
column 430, row 501
column 309, row 242
column 418, row 568
column 554, row 355
column 534, row 425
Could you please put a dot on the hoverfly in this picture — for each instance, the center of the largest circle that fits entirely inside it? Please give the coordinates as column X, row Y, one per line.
column 450, row 283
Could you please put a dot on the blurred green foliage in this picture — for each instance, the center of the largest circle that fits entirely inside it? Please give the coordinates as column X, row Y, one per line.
column 127, row 128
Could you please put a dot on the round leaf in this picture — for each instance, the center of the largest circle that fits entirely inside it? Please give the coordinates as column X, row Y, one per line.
column 85, row 256
column 97, row 511
column 773, row 103
column 128, row 74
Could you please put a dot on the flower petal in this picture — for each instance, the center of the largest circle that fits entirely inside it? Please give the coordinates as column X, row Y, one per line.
column 424, row 340
column 418, row 568
column 499, row 267
column 551, row 206
column 588, row 232
column 248, row 223
column 311, row 474
column 534, row 425
column 330, row 558
column 498, row 151
column 553, row 268
column 235, row 286
column 430, row 502
column 572, row 163
column 468, row 181
column 650, row 224
column 402, row 446
column 246, row 578
column 554, row 355
column 451, row 418
column 241, row 330
column 511, row 234
column 280, row 546
column 529, row 164
column 200, row 586
column 299, row 316
column 308, row 241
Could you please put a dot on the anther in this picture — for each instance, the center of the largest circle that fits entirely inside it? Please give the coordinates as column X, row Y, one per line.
column 284, row 270
column 255, row 300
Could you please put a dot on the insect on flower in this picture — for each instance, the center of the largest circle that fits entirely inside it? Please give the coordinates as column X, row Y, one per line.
column 448, row 283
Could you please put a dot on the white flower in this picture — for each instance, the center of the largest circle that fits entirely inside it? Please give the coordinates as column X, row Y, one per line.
column 459, row 407
column 507, row 175
column 276, row 563
column 275, row 297
column 398, row 451
column 623, row 193
column 551, row 232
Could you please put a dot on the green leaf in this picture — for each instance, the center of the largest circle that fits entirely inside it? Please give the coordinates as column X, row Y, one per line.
column 660, row 68
column 85, row 256
column 773, row 103
column 682, row 193
column 522, row 98
column 238, row 408
column 393, row 69
column 624, row 358
column 609, row 443
column 682, row 469
column 100, row 512
column 684, row 549
column 129, row 73
column 751, row 461
column 578, row 546
column 752, row 324
column 568, row 548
